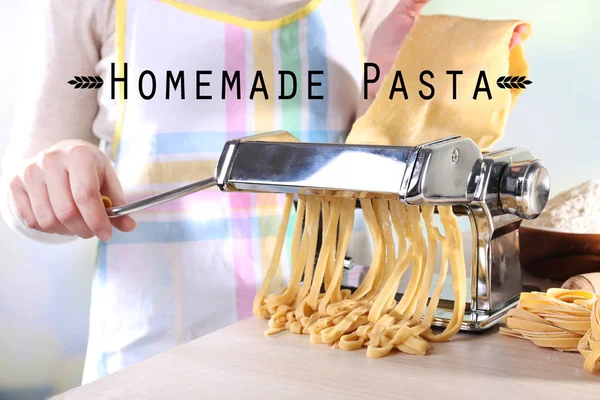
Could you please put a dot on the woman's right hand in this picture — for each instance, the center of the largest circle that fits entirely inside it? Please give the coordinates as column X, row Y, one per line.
column 59, row 191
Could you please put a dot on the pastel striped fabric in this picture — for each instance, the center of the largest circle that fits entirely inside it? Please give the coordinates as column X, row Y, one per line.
column 193, row 265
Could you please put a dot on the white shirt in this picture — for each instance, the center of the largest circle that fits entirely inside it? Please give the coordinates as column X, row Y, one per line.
column 76, row 37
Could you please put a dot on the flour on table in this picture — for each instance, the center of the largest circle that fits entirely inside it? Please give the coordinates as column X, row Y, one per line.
column 576, row 210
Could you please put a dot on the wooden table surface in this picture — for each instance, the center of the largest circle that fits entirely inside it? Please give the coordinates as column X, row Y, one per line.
column 239, row 362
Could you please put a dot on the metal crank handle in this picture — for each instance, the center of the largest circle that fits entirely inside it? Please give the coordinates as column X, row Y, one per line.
column 115, row 212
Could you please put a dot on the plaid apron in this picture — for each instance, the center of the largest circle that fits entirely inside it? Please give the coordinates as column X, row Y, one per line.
column 194, row 265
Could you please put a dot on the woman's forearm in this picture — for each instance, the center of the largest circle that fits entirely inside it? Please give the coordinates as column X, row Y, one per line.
column 63, row 40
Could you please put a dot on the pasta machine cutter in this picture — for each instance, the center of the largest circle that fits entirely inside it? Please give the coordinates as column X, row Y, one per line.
column 496, row 190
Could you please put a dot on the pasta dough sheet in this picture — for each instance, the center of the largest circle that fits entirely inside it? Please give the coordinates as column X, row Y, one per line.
column 441, row 43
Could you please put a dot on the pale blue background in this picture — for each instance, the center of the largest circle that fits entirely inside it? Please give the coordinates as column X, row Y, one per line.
column 44, row 290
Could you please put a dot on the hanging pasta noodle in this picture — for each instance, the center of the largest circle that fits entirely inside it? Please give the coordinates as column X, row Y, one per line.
column 369, row 316
column 566, row 320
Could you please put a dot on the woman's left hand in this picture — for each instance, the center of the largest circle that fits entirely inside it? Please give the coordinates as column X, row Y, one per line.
column 389, row 36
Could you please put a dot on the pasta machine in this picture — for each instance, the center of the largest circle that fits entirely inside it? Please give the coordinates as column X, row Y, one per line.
column 496, row 190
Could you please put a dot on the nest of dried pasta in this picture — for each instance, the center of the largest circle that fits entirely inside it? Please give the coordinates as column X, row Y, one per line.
column 562, row 319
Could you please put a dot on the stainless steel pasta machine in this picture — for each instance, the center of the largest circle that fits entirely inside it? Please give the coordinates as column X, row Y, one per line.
column 496, row 190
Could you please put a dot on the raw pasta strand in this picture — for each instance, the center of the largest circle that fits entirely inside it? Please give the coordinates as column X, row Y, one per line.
column 260, row 296
column 367, row 284
column 432, row 238
column 346, row 222
column 310, row 233
column 433, row 303
column 389, row 289
column 459, row 279
column 290, row 292
column 331, row 256
column 383, row 212
column 328, row 242
column 419, row 247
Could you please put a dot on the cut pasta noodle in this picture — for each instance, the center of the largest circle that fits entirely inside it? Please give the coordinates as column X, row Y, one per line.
column 566, row 320
column 313, row 303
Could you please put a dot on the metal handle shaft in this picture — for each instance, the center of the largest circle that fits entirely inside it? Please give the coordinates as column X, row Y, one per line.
column 160, row 198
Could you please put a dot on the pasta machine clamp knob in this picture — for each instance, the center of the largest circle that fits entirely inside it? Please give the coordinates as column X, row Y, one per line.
column 524, row 189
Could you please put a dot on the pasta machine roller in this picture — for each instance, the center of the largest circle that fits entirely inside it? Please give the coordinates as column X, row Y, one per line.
column 496, row 190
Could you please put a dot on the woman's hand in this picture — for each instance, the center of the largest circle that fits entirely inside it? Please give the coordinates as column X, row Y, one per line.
column 389, row 36
column 59, row 191
column 517, row 36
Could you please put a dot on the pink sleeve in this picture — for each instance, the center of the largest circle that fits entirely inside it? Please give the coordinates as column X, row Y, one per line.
column 371, row 13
